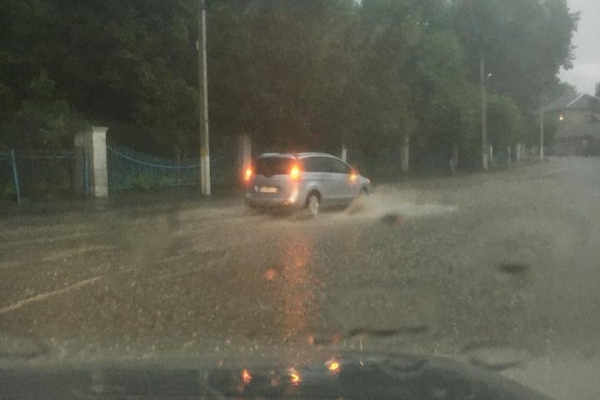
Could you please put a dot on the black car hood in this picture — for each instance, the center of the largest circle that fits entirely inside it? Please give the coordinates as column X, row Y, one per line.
column 346, row 375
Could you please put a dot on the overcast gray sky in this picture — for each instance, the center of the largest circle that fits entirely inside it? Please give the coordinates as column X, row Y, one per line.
column 586, row 71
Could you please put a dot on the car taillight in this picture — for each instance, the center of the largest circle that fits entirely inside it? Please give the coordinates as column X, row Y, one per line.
column 295, row 173
column 248, row 174
column 353, row 175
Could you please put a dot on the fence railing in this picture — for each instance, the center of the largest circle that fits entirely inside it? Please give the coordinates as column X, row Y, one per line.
column 42, row 174
column 9, row 179
column 132, row 169
column 46, row 175
column 51, row 174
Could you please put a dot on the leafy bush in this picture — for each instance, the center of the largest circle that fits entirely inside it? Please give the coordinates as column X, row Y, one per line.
column 143, row 183
column 8, row 191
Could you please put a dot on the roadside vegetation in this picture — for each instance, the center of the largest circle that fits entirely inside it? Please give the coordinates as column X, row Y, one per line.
column 294, row 75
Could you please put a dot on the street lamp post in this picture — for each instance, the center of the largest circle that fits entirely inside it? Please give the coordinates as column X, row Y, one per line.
column 203, row 100
column 542, row 123
column 484, row 139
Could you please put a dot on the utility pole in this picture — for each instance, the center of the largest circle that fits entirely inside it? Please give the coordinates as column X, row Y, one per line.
column 203, row 101
column 405, row 154
column 542, row 123
column 484, row 141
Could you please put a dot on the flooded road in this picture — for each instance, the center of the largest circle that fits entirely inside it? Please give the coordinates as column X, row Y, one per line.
column 496, row 268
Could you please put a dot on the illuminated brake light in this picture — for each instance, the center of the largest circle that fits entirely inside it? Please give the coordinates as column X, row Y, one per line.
column 333, row 366
column 295, row 377
column 248, row 174
column 246, row 377
column 295, row 173
column 353, row 175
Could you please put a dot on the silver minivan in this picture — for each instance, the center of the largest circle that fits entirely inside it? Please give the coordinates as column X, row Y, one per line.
column 302, row 180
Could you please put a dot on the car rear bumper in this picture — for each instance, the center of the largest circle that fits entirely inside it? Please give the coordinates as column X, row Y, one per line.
column 272, row 202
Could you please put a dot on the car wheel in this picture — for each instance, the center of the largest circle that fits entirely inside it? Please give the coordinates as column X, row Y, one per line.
column 313, row 204
column 363, row 192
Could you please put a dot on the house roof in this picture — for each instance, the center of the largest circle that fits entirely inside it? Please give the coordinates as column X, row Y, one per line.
column 571, row 102
column 560, row 103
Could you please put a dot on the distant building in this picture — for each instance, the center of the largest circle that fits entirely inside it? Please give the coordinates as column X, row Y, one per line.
column 578, row 124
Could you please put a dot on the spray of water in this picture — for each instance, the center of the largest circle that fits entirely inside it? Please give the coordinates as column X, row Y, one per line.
column 392, row 201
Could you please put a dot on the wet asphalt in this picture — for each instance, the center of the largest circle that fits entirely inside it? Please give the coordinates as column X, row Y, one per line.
column 500, row 268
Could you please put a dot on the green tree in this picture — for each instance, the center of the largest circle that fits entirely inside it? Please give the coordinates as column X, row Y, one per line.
column 387, row 33
column 43, row 121
column 524, row 42
column 443, row 96
column 505, row 122
column 556, row 89
column 278, row 71
column 294, row 75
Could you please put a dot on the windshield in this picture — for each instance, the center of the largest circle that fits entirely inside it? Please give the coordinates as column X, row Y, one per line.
column 440, row 198
column 269, row 166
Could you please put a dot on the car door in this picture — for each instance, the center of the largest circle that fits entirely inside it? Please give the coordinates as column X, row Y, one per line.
column 346, row 181
column 316, row 176
column 337, row 180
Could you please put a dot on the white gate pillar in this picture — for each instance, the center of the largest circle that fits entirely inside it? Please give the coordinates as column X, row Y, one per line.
column 93, row 143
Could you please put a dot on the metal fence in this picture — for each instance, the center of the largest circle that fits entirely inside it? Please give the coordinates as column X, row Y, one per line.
column 45, row 175
column 9, row 178
column 131, row 169
column 48, row 175
column 39, row 175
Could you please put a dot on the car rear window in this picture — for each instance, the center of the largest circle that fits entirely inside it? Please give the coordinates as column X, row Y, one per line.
column 269, row 166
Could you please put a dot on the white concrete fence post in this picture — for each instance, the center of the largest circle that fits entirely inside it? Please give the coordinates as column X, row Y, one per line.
column 93, row 144
column 518, row 152
column 405, row 155
column 454, row 158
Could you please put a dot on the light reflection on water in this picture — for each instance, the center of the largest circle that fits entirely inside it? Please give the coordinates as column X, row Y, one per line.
column 297, row 283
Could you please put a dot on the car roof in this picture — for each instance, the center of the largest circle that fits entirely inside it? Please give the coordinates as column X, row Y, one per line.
column 296, row 155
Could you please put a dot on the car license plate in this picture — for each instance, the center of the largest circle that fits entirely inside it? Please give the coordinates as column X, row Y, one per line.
column 267, row 189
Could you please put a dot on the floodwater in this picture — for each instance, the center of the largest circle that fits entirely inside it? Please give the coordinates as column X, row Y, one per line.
column 498, row 269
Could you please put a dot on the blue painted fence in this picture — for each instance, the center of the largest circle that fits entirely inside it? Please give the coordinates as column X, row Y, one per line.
column 9, row 177
column 42, row 175
column 132, row 169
